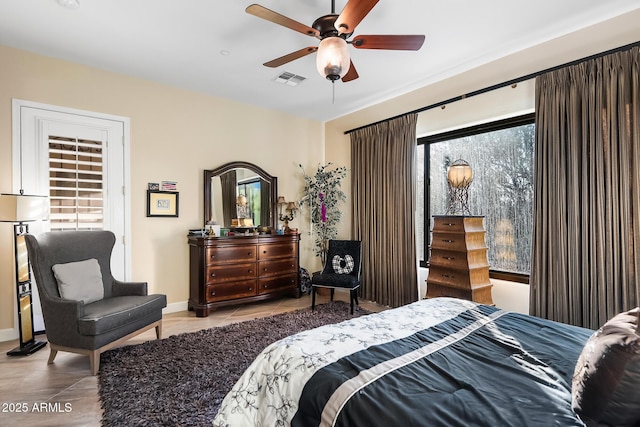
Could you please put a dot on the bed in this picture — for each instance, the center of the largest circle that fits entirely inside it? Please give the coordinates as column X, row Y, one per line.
column 436, row 362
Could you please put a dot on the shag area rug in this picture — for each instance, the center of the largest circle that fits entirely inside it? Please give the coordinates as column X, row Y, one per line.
column 181, row 380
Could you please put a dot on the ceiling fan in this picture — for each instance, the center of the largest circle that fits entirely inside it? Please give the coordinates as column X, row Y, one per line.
column 333, row 31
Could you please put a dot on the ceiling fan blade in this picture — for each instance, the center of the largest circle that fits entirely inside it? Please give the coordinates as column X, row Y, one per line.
column 352, row 74
column 290, row 57
column 390, row 42
column 275, row 17
column 353, row 12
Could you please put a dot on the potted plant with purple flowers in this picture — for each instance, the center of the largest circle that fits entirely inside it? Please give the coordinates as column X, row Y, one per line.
column 322, row 194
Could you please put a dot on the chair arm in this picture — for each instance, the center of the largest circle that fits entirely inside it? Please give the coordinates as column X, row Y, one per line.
column 62, row 314
column 120, row 289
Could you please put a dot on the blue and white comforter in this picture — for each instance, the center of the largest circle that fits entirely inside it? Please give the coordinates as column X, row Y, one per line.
column 437, row 362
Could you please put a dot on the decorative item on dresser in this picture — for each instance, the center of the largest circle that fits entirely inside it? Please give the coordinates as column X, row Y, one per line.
column 458, row 264
column 239, row 269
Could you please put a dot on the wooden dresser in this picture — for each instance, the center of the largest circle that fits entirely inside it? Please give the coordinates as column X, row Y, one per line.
column 239, row 269
column 458, row 264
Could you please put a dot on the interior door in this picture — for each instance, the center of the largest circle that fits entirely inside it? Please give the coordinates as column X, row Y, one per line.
column 79, row 161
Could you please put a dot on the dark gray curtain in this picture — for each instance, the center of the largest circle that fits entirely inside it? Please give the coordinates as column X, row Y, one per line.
column 586, row 243
column 229, row 208
column 383, row 158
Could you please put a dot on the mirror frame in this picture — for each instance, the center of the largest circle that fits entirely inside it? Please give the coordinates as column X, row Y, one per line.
column 210, row 173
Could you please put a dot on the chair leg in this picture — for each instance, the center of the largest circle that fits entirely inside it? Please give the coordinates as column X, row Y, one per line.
column 355, row 296
column 332, row 291
column 52, row 355
column 313, row 298
column 351, row 300
column 159, row 331
column 94, row 362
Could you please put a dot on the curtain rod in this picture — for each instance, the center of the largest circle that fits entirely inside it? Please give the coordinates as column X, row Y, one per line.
column 500, row 85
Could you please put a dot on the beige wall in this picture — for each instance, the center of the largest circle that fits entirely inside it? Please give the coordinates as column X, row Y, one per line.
column 175, row 134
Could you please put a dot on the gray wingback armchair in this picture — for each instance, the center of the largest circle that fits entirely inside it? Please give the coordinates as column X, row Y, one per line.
column 79, row 316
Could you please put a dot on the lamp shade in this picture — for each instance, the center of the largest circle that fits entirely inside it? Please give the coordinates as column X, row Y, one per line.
column 23, row 208
column 332, row 59
column 291, row 206
column 281, row 200
column 460, row 174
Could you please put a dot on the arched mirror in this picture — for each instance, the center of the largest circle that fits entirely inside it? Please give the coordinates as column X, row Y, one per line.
column 240, row 190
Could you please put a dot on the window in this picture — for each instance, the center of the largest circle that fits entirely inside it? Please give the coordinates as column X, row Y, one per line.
column 75, row 184
column 251, row 190
column 501, row 156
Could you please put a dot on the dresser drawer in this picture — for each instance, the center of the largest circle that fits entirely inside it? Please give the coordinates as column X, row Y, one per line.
column 225, row 254
column 457, row 224
column 448, row 242
column 458, row 241
column 277, row 267
column 464, row 279
column 449, row 224
column 225, row 291
column 226, row 273
column 277, row 251
column 449, row 277
column 274, row 284
column 459, row 260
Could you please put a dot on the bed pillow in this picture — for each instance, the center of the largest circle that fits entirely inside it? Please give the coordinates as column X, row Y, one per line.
column 606, row 381
column 80, row 281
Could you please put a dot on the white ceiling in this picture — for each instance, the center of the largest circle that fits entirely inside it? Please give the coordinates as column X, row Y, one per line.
column 179, row 43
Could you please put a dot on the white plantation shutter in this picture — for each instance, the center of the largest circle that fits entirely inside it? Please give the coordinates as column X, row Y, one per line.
column 76, row 189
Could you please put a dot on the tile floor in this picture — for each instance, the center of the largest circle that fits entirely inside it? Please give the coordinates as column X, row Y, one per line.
column 33, row 393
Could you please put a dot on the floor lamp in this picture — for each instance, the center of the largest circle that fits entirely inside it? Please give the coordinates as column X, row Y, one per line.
column 20, row 209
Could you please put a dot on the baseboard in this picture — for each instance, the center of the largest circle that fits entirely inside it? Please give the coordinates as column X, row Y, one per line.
column 174, row 307
column 8, row 335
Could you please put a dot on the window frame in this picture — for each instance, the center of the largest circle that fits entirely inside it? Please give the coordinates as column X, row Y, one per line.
column 426, row 141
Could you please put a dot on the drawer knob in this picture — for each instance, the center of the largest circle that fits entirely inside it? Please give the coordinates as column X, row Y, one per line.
column 212, row 274
column 265, row 269
column 212, row 293
column 448, row 257
column 448, row 276
column 249, row 254
column 264, row 252
column 250, row 288
column 449, row 224
column 266, row 286
column 249, row 271
column 447, row 241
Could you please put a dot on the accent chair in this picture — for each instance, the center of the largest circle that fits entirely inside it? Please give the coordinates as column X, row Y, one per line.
column 341, row 270
column 86, row 310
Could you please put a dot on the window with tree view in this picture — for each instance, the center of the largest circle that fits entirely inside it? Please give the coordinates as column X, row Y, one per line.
column 501, row 156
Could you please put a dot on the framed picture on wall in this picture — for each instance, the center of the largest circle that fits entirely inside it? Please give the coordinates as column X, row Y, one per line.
column 162, row 203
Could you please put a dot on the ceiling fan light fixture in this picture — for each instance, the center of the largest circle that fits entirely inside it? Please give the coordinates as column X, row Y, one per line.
column 332, row 59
